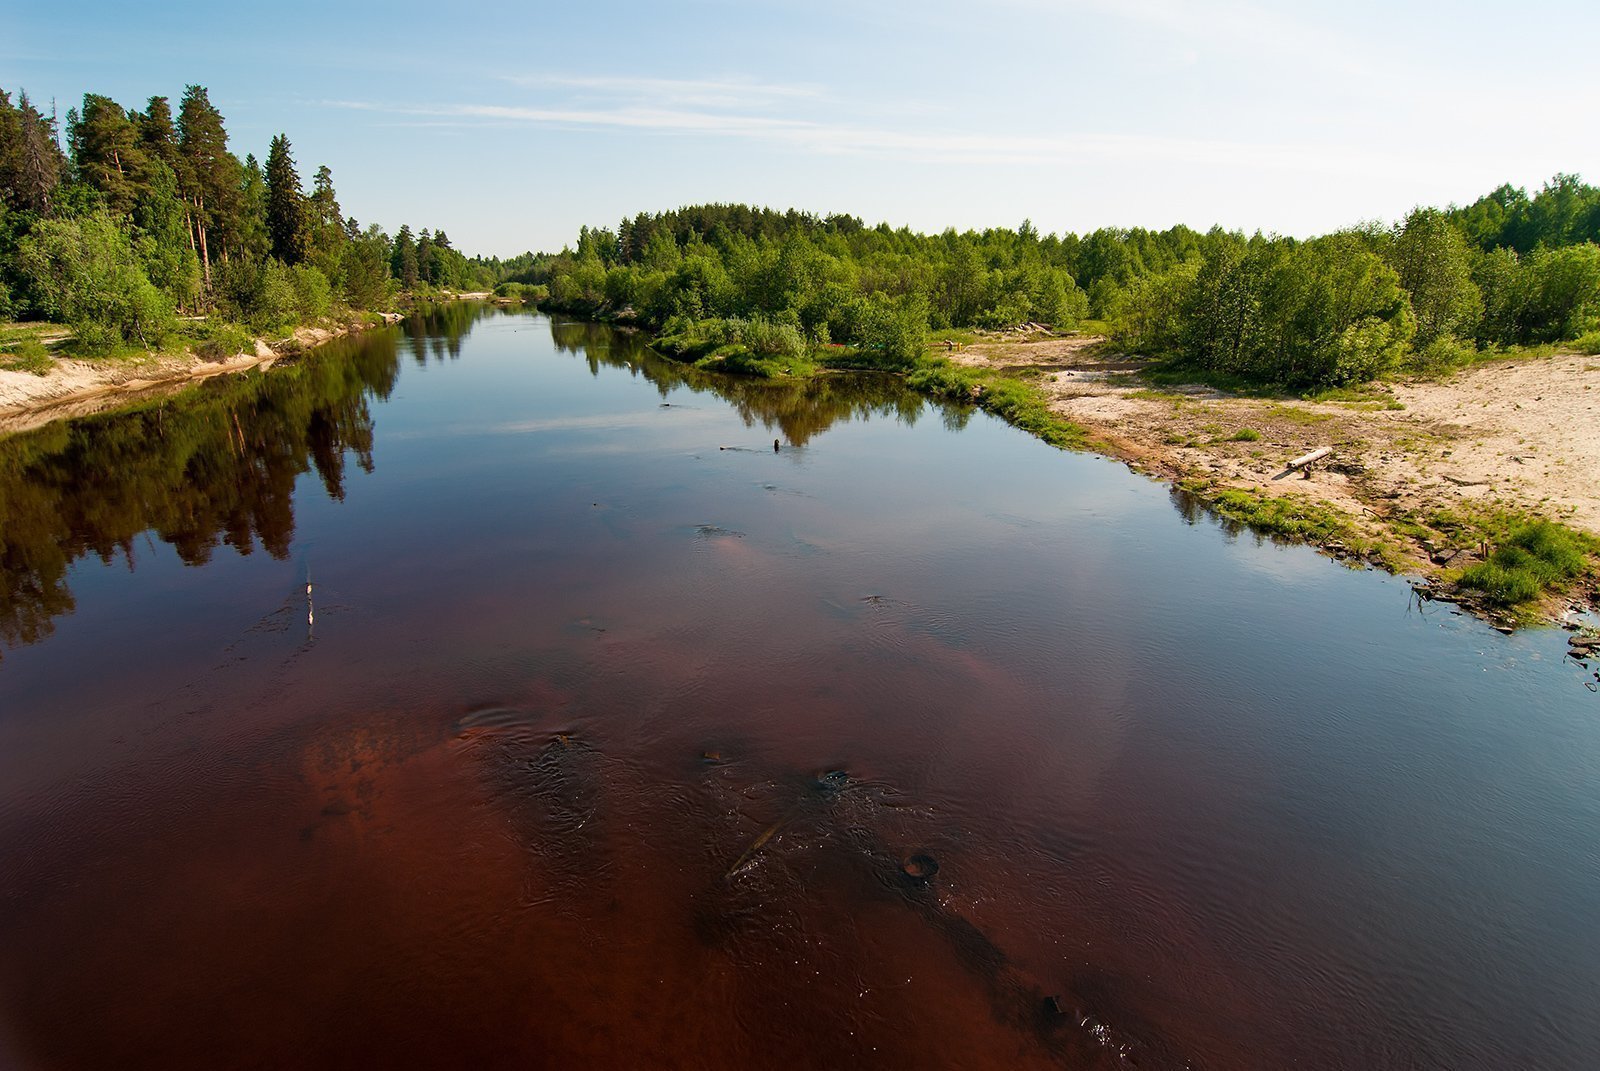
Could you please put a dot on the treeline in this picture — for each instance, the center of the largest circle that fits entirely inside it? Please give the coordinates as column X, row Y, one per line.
column 1432, row 290
column 764, row 289
column 146, row 216
column 779, row 282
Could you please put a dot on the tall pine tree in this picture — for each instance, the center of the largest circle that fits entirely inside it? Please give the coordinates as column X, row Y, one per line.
column 31, row 164
column 404, row 260
column 286, row 205
column 106, row 151
column 208, row 175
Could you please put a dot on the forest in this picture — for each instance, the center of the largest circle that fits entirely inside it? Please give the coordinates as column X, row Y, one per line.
column 147, row 230
column 757, row 290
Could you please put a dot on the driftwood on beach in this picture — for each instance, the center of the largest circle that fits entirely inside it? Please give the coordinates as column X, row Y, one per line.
column 1304, row 462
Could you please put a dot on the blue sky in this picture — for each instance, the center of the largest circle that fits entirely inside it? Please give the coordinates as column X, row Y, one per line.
column 511, row 125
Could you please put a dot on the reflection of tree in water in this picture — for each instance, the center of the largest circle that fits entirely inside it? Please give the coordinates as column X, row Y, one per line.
column 800, row 408
column 441, row 328
column 216, row 464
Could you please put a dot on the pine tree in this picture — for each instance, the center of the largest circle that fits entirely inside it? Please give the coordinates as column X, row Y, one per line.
column 106, row 151
column 208, row 175
column 325, row 223
column 426, row 270
column 404, row 260
column 157, row 136
column 31, row 164
column 286, row 207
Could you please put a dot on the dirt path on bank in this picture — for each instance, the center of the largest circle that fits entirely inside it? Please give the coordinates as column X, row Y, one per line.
column 1521, row 434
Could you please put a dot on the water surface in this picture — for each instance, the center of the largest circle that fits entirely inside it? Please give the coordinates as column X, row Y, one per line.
column 491, row 693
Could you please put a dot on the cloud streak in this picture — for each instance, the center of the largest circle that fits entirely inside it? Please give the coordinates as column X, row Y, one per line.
column 683, row 92
column 933, row 147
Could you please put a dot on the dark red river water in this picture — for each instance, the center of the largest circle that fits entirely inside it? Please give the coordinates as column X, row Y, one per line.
column 492, row 694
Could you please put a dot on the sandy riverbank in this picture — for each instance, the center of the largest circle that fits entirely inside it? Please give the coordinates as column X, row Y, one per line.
column 75, row 387
column 1519, row 434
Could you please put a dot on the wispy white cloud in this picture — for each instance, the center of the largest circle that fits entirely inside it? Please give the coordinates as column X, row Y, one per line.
column 684, row 92
column 928, row 146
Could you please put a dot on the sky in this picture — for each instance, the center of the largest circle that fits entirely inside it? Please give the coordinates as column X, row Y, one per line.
column 510, row 125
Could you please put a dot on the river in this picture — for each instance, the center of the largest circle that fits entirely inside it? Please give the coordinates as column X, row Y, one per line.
column 492, row 692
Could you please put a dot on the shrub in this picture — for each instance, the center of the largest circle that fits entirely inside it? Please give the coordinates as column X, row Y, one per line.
column 1442, row 355
column 83, row 272
column 312, row 291
column 224, row 340
column 275, row 301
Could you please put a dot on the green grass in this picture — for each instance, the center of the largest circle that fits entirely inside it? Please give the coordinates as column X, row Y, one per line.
column 1293, row 414
column 1170, row 373
column 27, row 355
column 1535, row 558
column 1011, row 399
column 1245, row 435
column 1299, row 520
column 740, row 361
column 1290, row 517
column 1361, row 397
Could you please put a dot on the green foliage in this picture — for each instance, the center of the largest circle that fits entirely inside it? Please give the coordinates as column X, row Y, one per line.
column 874, row 292
column 161, row 237
column 288, row 234
column 26, row 355
column 756, row 346
column 1446, row 353
column 1292, row 518
column 1013, row 400
column 1565, row 212
column 211, row 178
column 313, row 294
column 222, row 340
column 1537, row 557
column 1300, row 314
column 269, row 295
column 364, row 266
column 1245, row 435
column 1435, row 267
column 84, row 272
column 893, row 332
column 1562, row 295
column 155, row 214
column 1152, row 311
column 31, row 164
